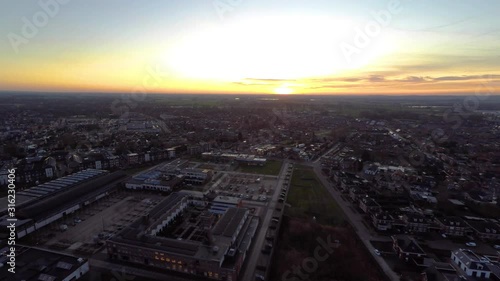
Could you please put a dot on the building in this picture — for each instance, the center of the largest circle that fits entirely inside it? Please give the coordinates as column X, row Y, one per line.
column 382, row 221
column 485, row 230
column 368, row 205
column 470, row 264
column 407, row 248
column 154, row 180
column 211, row 251
column 440, row 272
column 242, row 159
column 196, row 176
column 190, row 175
column 35, row 264
column 132, row 159
column 416, row 223
column 221, row 204
column 453, row 226
column 45, row 204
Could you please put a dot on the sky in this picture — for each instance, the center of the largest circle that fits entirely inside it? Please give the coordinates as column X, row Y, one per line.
column 250, row 46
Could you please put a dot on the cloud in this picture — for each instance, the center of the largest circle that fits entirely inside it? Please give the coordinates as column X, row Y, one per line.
column 466, row 77
column 376, row 78
column 263, row 81
column 413, row 79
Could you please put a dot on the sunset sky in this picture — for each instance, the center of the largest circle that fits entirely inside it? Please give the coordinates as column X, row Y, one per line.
column 250, row 46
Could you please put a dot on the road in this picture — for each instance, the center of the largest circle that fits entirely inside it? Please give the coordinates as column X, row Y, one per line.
column 249, row 271
column 356, row 221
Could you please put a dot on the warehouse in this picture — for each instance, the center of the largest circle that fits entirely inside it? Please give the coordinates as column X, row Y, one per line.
column 44, row 209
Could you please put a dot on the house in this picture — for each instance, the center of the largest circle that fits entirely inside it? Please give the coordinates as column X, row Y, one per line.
column 407, row 248
column 470, row 264
column 356, row 193
column 453, row 226
column 440, row 272
column 133, row 158
column 485, row 230
column 417, row 223
column 368, row 205
column 382, row 221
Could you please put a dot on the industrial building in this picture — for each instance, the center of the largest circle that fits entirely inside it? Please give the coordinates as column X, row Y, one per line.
column 243, row 159
column 35, row 265
column 42, row 205
column 222, row 203
column 154, row 180
column 204, row 247
column 166, row 177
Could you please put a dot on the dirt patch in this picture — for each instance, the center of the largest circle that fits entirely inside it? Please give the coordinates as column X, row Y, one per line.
column 300, row 239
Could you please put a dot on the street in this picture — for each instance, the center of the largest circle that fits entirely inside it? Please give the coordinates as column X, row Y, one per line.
column 249, row 271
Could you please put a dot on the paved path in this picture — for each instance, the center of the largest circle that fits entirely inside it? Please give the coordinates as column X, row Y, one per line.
column 249, row 271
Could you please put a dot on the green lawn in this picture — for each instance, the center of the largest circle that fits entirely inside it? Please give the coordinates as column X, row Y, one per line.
column 272, row 168
column 308, row 198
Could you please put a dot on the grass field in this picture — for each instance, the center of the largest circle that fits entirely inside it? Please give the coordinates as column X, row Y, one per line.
column 308, row 198
column 272, row 168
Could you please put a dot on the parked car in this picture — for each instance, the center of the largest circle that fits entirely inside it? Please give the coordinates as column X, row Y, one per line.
column 377, row 252
column 471, row 244
column 497, row 247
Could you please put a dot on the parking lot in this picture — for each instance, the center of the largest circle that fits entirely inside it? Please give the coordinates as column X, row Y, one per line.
column 246, row 186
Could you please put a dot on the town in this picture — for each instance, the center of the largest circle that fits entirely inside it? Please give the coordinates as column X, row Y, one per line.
column 249, row 187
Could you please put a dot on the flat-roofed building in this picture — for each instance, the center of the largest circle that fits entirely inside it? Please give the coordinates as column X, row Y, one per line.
column 36, row 264
column 222, row 203
column 485, row 230
column 40, row 207
column 219, row 256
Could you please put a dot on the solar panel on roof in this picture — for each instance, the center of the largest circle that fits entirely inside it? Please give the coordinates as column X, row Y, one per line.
column 32, row 194
column 64, row 265
column 56, row 187
column 58, row 181
column 38, row 191
column 68, row 179
column 44, row 189
column 55, row 183
column 46, row 277
column 28, row 194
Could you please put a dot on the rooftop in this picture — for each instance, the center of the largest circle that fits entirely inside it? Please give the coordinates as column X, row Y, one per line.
column 33, row 265
column 137, row 233
column 227, row 200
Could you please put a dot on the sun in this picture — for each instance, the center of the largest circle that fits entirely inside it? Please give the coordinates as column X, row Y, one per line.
column 283, row 90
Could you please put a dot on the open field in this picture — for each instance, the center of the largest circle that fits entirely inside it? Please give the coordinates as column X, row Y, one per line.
column 272, row 168
column 298, row 242
column 308, row 198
